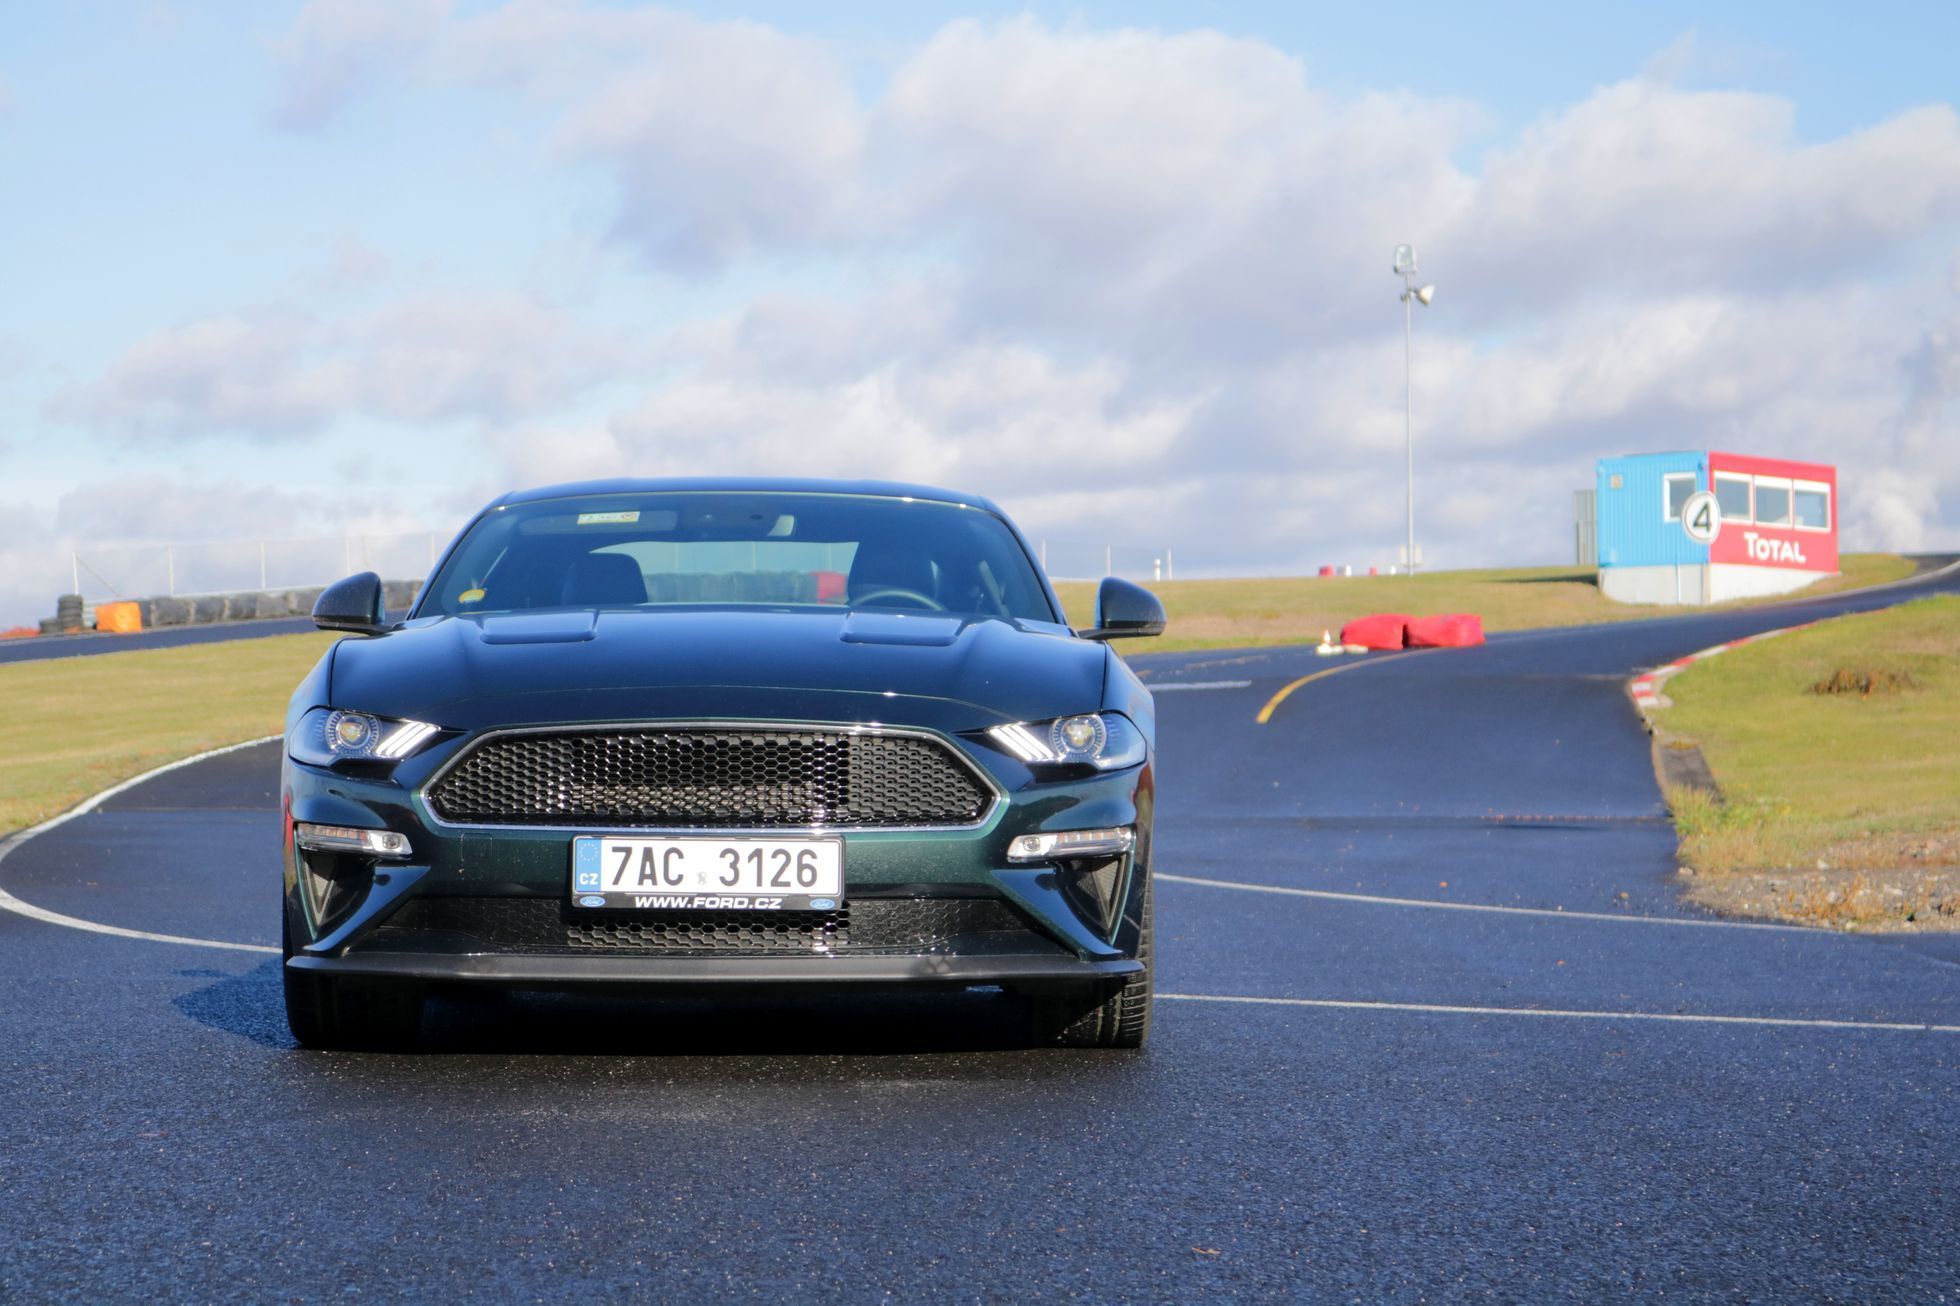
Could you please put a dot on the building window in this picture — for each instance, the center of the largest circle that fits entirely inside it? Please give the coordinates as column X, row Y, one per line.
column 1732, row 493
column 1812, row 500
column 1679, row 486
column 1772, row 502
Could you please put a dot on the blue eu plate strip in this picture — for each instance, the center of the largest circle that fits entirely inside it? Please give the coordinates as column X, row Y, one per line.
column 586, row 874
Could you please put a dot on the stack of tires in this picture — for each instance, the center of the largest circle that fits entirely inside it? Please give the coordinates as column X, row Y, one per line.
column 67, row 618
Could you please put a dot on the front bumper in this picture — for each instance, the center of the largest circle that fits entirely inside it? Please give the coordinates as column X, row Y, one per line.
column 492, row 904
column 755, row 972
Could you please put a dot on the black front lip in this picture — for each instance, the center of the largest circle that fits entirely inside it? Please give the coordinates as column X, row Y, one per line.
column 670, row 973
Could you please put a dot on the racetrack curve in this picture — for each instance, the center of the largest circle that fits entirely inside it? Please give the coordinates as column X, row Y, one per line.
column 1595, row 1092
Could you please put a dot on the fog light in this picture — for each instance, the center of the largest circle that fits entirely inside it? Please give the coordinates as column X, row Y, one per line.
column 350, row 839
column 1070, row 843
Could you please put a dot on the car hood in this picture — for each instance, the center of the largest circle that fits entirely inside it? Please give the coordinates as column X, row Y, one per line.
column 947, row 672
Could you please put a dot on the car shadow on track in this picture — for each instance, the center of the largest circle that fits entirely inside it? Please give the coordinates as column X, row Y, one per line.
column 250, row 1006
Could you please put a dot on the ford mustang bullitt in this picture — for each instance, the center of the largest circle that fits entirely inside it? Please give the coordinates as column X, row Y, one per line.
column 725, row 735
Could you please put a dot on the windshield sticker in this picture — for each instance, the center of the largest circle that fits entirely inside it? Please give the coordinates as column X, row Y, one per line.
column 606, row 518
column 470, row 596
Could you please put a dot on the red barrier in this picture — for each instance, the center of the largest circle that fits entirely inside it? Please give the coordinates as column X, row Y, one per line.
column 1452, row 630
column 1383, row 630
column 1326, row 570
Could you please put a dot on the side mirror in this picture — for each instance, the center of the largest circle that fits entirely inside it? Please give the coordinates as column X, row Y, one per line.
column 354, row 604
column 1124, row 610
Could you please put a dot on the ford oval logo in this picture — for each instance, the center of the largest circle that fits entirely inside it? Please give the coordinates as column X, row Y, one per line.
column 822, row 904
column 591, row 900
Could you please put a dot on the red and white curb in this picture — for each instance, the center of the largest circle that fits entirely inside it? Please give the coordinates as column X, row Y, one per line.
column 1645, row 688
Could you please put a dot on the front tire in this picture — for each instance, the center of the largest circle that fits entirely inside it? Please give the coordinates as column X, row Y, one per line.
column 330, row 1012
column 1106, row 1018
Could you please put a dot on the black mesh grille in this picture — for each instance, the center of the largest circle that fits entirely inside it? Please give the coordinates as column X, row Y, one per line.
column 905, row 925
column 710, row 778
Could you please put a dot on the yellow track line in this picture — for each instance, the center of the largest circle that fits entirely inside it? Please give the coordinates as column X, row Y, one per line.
column 1272, row 704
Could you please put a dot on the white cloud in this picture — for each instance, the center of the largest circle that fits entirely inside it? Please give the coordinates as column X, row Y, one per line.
column 336, row 48
column 725, row 138
column 351, row 264
column 247, row 372
column 136, row 508
column 1648, row 188
column 1136, row 281
column 275, row 373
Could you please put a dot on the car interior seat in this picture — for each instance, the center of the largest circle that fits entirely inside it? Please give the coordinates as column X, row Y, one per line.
column 604, row 580
column 890, row 565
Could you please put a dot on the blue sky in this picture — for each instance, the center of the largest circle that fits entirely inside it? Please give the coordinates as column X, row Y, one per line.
column 282, row 269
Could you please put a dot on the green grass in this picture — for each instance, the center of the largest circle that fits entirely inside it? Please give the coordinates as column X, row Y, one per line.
column 1854, row 782
column 1294, row 610
column 70, row 727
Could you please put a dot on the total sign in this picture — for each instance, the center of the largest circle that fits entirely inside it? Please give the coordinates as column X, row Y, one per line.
column 1774, row 513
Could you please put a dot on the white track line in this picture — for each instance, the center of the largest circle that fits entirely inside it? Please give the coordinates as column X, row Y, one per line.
column 1673, row 1017
column 1156, row 688
column 1438, row 905
column 10, row 903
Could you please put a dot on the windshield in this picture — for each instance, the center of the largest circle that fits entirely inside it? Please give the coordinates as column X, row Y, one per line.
column 739, row 548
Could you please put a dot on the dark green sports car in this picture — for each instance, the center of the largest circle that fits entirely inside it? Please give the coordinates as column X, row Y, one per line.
column 663, row 735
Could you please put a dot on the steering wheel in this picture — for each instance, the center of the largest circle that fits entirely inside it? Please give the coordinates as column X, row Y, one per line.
column 926, row 601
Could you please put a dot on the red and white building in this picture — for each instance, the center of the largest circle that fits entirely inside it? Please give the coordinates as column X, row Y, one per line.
column 1772, row 529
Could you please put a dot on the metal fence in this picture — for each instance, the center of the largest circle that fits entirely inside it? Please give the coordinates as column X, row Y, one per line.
column 1088, row 560
column 190, row 569
column 200, row 567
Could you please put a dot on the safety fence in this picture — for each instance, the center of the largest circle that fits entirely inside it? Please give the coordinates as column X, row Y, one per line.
column 192, row 569
column 1089, row 560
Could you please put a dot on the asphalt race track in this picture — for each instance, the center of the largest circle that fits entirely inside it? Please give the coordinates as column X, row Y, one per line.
column 1383, row 1087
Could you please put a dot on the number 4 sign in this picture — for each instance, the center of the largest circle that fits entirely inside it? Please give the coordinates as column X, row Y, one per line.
column 1701, row 517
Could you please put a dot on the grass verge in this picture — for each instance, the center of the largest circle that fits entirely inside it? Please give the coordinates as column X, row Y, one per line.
column 70, row 727
column 1295, row 609
column 1838, row 752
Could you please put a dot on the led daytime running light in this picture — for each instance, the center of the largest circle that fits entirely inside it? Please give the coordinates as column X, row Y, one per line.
column 405, row 739
column 1071, row 843
column 1023, row 743
column 349, row 839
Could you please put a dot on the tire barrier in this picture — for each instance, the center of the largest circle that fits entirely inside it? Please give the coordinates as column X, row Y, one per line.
column 1452, row 630
column 1380, row 631
column 1391, row 630
column 72, row 615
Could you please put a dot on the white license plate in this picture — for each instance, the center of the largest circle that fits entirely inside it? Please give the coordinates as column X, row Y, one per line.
column 697, row 873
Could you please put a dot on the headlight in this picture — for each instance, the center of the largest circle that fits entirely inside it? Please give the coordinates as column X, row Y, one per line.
column 1103, row 740
column 327, row 735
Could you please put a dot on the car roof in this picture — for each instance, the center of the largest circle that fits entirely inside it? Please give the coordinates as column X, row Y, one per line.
column 751, row 484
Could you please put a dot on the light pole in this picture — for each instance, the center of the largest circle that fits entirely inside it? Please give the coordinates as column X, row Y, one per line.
column 1412, row 294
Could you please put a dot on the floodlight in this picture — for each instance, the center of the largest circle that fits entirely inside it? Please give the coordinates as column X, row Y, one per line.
column 1412, row 294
